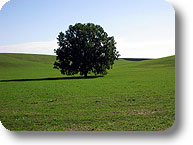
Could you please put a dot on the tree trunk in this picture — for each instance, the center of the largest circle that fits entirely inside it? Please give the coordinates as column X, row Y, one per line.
column 85, row 75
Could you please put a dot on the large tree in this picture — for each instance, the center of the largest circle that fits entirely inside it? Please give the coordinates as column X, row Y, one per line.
column 85, row 48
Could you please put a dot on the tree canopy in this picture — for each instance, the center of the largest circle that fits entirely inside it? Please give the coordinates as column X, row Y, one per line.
column 85, row 48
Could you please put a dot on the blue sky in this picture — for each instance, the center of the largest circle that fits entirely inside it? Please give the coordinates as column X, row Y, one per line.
column 142, row 28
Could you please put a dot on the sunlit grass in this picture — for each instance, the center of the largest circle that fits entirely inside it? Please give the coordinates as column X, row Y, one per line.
column 133, row 96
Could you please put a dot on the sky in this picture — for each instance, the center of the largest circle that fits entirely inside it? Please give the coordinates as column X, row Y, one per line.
column 142, row 28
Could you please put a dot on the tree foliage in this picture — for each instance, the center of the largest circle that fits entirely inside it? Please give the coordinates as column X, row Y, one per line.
column 85, row 48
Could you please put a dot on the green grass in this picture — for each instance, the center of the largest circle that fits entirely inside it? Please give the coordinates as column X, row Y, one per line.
column 137, row 96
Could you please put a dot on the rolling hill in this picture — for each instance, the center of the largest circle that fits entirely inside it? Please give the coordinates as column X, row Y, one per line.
column 135, row 95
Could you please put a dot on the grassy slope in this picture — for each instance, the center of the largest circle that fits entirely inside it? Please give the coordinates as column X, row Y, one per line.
column 133, row 96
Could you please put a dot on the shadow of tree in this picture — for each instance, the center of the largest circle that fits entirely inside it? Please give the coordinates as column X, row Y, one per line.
column 45, row 79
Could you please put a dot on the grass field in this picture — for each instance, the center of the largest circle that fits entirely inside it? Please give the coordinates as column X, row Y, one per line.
column 137, row 96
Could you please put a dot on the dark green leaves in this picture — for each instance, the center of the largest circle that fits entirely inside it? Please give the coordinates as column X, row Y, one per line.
column 85, row 48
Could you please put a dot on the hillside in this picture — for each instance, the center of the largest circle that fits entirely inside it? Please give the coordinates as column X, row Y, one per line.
column 133, row 96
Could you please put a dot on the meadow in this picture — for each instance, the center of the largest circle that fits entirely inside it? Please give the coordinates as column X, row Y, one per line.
column 133, row 96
